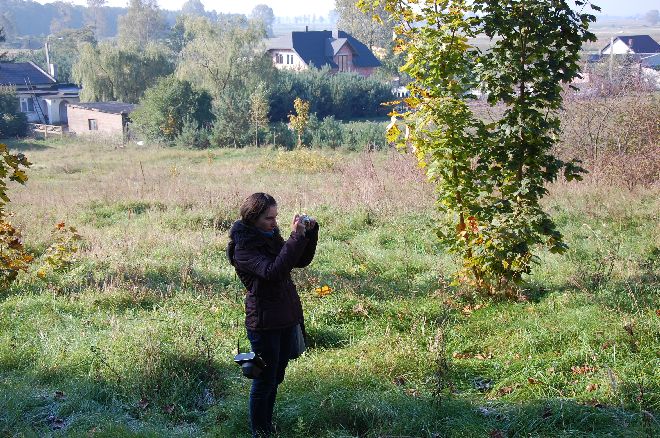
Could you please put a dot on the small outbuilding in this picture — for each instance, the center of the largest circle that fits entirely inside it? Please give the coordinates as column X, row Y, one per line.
column 104, row 118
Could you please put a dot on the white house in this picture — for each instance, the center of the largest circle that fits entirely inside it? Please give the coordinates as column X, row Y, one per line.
column 338, row 50
column 41, row 97
column 632, row 44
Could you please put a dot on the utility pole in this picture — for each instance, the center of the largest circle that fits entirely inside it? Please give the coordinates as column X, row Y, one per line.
column 611, row 58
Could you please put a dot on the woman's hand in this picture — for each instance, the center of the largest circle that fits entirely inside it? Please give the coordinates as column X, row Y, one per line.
column 297, row 226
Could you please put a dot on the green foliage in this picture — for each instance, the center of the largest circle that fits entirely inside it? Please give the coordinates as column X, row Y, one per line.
column 110, row 73
column 143, row 23
column 192, row 136
column 64, row 47
column 374, row 28
column 10, row 169
column 229, row 81
column 13, row 122
column 300, row 119
column 258, row 111
column 264, row 14
column 13, row 256
column 345, row 96
column 490, row 177
column 168, row 106
column 61, row 254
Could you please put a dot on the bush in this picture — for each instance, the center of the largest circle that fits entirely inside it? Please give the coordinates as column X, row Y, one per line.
column 344, row 96
column 192, row 136
column 325, row 133
column 167, row 106
column 13, row 123
column 364, row 136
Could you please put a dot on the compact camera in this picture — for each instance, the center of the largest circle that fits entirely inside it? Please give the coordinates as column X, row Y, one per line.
column 252, row 365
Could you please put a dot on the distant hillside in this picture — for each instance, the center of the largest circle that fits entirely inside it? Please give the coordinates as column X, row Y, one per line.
column 27, row 18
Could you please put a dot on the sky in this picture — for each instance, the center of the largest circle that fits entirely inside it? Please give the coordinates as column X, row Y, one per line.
column 288, row 8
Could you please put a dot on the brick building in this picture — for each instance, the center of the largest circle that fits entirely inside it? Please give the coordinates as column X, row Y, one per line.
column 101, row 118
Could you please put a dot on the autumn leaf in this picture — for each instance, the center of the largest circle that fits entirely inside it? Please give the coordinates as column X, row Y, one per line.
column 584, row 369
column 592, row 387
column 323, row 291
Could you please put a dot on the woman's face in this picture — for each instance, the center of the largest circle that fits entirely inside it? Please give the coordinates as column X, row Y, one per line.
column 268, row 219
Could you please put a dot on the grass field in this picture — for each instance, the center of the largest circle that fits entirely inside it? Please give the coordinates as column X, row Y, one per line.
column 135, row 338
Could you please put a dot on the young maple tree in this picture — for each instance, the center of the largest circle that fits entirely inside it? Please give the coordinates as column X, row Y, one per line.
column 490, row 176
column 300, row 120
column 13, row 257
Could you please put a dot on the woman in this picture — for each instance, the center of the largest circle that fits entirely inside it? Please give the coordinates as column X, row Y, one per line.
column 263, row 262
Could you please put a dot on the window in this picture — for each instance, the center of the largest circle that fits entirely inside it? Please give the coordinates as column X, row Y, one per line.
column 343, row 62
column 289, row 59
column 279, row 59
column 27, row 104
column 92, row 125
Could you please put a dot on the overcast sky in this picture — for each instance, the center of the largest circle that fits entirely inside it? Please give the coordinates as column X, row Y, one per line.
column 286, row 8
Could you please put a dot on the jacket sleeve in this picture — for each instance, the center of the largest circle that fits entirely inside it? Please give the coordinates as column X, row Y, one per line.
column 312, row 237
column 255, row 262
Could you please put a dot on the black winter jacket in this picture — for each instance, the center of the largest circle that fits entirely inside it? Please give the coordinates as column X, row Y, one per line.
column 264, row 266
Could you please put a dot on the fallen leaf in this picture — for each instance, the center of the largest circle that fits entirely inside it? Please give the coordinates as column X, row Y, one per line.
column 584, row 369
column 457, row 355
column 168, row 409
column 399, row 381
column 533, row 381
column 143, row 403
column 505, row 390
column 592, row 387
column 323, row 291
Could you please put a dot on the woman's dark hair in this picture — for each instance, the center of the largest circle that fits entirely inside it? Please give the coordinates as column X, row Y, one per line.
column 254, row 206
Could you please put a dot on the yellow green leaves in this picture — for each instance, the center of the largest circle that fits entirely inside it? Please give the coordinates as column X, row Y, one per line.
column 299, row 120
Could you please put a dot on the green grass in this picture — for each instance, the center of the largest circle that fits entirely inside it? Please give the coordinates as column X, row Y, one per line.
column 136, row 338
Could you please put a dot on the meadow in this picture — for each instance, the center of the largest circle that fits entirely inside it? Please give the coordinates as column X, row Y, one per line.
column 134, row 337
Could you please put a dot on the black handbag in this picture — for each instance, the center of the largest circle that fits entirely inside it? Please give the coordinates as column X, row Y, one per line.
column 297, row 342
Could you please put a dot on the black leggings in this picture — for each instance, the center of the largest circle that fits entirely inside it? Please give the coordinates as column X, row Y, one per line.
column 274, row 347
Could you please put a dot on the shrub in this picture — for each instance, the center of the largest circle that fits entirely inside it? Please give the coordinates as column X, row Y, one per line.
column 325, row 133
column 192, row 136
column 344, row 96
column 167, row 106
column 363, row 136
column 13, row 123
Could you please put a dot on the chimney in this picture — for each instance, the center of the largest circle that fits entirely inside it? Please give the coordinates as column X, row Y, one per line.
column 335, row 33
column 52, row 70
column 306, row 28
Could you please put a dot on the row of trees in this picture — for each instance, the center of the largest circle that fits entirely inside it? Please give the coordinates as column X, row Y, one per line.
column 231, row 87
